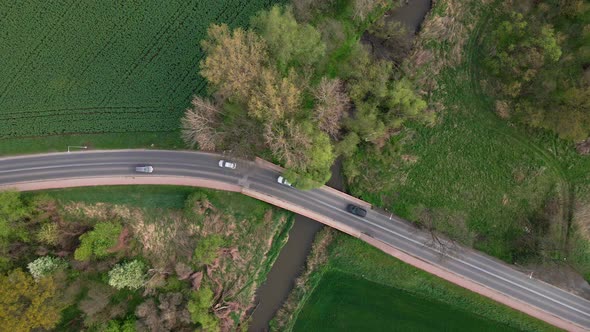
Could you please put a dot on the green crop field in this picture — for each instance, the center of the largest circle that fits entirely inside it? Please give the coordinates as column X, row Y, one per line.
column 92, row 67
column 363, row 289
column 343, row 302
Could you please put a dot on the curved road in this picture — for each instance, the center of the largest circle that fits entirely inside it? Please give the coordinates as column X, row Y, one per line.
column 391, row 234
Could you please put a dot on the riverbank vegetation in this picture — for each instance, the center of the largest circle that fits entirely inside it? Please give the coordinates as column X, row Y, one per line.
column 102, row 266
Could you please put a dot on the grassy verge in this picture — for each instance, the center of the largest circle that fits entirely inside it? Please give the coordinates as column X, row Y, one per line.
column 138, row 196
column 136, row 140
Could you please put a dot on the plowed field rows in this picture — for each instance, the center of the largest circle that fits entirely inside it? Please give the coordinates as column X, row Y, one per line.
column 91, row 67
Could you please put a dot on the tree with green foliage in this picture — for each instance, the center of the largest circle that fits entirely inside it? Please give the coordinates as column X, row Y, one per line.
column 207, row 249
column 404, row 104
column 114, row 325
column 199, row 308
column 96, row 243
column 347, row 146
column 289, row 43
column 46, row 265
column 538, row 60
column 129, row 275
column 382, row 103
column 519, row 50
column 27, row 304
column 12, row 210
column 303, row 148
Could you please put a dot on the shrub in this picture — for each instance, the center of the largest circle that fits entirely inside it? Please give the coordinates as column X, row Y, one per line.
column 128, row 275
column 207, row 248
column 95, row 244
column 48, row 234
column 199, row 306
column 12, row 211
column 45, row 265
column 128, row 325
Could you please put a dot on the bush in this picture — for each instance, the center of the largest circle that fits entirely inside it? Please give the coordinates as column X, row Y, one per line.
column 199, row 306
column 128, row 325
column 48, row 234
column 12, row 211
column 128, row 275
column 45, row 265
column 95, row 244
column 207, row 248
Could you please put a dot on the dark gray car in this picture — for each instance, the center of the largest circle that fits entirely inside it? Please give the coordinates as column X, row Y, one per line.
column 356, row 210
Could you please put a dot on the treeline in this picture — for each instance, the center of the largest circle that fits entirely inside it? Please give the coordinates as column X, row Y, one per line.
column 299, row 87
column 540, row 57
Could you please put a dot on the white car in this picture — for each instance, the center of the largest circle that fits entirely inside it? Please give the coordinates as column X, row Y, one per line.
column 227, row 164
column 144, row 169
column 281, row 179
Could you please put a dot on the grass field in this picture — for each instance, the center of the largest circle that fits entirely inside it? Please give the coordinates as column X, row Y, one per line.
column 163, row 197
column 345, row 302
column 363, row 288
column 89, row 67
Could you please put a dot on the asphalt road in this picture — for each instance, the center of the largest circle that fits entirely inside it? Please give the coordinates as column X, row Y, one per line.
column 391, row 230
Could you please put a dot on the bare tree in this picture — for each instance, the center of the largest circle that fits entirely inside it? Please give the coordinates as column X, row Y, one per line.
column 442, row 244
column 289, row 142
column 332, row 104
column 199, row 123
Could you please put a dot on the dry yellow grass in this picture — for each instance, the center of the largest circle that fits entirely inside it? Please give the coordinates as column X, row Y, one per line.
column 582, row 220
column 442, row 40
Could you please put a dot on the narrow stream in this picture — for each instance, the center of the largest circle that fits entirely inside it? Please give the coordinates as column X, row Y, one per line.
column 291, row 260
column 290, row 263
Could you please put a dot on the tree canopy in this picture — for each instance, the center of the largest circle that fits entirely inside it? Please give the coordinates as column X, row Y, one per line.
column 26, row 304
column 95, row 243
column 289, row 42
column 281, row 75
column 539, row 59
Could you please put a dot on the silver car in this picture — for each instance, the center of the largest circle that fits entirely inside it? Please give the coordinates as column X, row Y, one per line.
column 281, row 179
column 227, row 164
column 144, row 169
